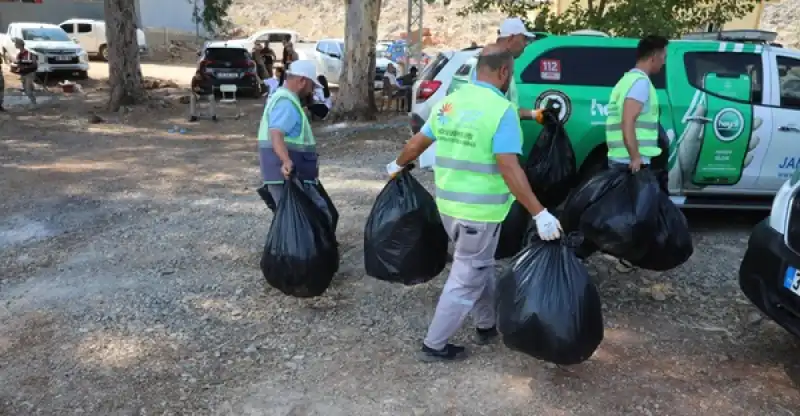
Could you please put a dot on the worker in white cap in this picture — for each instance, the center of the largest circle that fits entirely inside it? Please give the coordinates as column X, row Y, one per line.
column 286, row 143
column 514, row 36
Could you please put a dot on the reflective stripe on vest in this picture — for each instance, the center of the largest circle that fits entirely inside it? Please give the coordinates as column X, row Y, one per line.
column 469, row 185
column 646, row 124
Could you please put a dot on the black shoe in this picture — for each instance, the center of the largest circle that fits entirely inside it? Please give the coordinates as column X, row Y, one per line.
column 450, row 352
column 2, row 110
column 192, row 119
column 486, row 336
column 214, row 118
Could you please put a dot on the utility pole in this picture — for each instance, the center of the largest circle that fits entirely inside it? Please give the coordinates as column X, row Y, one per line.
column 414, row 26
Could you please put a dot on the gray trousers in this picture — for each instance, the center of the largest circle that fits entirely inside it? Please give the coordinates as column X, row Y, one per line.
column 470, row 286
column 194, row 100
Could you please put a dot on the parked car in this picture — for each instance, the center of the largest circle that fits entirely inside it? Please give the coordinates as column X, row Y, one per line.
column 231, row 63
column 729, row 110
column 54, row 50
column 769, row 274
column 434, row 81
column 329, row 54
column 91, row 35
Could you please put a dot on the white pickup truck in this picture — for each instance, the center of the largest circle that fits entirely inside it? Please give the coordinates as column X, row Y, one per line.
column 54, row 50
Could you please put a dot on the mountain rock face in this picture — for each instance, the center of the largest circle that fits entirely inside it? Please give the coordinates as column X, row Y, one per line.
column 783, row 17
column 316, row 19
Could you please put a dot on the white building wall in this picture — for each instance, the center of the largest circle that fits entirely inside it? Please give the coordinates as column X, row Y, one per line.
column 170, row 14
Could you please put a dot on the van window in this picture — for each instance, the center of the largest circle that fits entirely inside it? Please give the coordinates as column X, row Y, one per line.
column 590, row 66
column 84, row 28
column 433, row 68
column 698, row 64
column 69, row 28
column 789, row 79
column 465, row 69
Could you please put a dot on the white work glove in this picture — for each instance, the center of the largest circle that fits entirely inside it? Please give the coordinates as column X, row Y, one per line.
column 547, row 226
column 393, row 168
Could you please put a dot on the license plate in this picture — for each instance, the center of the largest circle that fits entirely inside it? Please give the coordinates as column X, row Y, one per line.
column 63, row 58
column 791, row 280
column 227, row 75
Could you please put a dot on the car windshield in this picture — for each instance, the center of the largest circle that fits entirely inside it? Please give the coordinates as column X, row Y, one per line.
column 226, row 54
column 45, row 33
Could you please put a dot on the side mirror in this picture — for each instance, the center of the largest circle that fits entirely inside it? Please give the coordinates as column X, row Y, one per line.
column 335, row 55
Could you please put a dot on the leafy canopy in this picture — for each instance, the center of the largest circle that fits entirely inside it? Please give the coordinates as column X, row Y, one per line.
column 630, row 18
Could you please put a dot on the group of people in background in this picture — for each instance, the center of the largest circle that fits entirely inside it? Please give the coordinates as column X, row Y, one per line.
column 270, row 79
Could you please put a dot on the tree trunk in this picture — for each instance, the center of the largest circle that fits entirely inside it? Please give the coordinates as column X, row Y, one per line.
column 124, row 71
column 356, row 97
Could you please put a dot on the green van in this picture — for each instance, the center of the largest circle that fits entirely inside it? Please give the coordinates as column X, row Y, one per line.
column 730, row 108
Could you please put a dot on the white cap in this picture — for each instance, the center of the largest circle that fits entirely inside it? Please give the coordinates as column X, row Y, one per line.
column 513, row 26
column 304, row 68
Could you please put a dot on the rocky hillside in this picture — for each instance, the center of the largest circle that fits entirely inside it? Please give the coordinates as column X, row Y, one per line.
column 784, row 18
column 316, row 19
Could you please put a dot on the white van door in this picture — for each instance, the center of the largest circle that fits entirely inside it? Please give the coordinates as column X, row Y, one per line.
column 86, row 36
column 783, row 154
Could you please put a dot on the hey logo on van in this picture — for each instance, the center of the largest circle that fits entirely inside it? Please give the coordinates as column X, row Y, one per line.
column 597, row 108
column 728, row 124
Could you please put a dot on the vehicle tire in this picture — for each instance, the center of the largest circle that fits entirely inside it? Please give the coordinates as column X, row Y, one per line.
column 103, row 54
column 83, row 75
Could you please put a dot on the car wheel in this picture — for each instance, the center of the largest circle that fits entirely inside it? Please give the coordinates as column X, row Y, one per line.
column 104, row 52
column 83, row 75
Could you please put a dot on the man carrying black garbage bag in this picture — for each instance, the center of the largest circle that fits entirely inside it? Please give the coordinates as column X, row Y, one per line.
column 285, row 140
column 632, row 126
column 477, row 175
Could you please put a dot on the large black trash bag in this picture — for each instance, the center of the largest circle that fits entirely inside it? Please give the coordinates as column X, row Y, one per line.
column 331, row 212
column 547, row 306
column 404, row 239
column 672, row 244
column 551, row 167
column 301, row 254
column 616, row 211
column 512, row 232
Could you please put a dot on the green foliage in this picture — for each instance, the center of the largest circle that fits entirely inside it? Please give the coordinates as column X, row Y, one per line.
column 214, row 15
column 632, row 18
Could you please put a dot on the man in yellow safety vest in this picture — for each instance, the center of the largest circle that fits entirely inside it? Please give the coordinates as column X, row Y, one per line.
column 632, row 127
column 478, row 176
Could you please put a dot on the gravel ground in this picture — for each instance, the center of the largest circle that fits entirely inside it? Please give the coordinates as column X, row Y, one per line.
column 130, row 286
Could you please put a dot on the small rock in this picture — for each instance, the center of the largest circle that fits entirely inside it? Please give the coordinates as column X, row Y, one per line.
column 251, row 349
column 298, row 357
column 659, row 296
column 754, row 318
column 291, row 365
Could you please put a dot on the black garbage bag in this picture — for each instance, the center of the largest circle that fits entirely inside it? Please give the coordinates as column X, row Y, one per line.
column 301, row 254
column 404, row 239
column 616, row 211
column 512, row 232
column 331, row 212
column 547, row 306
column 551, row 168
column 672, row 244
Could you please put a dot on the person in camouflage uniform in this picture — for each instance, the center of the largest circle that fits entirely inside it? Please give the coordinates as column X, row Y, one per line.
column 2, row 88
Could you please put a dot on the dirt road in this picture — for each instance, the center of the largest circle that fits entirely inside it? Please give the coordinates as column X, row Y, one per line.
column 130, row 286
column 181, row 74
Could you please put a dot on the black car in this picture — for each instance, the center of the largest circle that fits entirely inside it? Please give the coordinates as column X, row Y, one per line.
column 770, row 272
column 232, row 64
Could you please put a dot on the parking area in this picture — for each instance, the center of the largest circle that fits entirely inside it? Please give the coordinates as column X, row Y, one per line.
column 130, row 285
